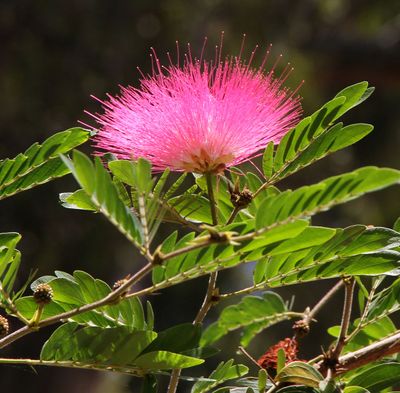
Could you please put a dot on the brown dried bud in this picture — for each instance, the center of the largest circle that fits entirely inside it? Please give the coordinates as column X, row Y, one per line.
column 4, row 326
column 301, row 327
column 119, row 283
column 241, row 199
column 215, row 296
column 43, row 294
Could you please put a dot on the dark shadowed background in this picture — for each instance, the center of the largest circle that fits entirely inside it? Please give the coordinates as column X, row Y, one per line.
column 54, row 54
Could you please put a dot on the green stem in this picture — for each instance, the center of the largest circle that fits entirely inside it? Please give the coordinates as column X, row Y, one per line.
column 213, row 204
column 233, row 215
column 71, row 364
column 36, row 316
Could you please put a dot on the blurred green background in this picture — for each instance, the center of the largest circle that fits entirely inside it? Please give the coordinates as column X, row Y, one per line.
column 54, row 54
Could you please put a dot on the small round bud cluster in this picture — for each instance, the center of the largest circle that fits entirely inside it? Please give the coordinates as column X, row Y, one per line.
column 43, row 294
column 4, row 326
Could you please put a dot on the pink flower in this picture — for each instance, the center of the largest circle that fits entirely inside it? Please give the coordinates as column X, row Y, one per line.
column 203, row 116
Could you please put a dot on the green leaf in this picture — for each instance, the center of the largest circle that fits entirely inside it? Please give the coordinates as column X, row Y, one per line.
column 355, row 389
column 370, row 333
column 117, row 346
column 355, row 250
column 10, row 259
column 40, row 163
column 328, row 386
column 396, row 225
column 77, row 200
column 147, row 196
column 177, row 339
column 134, row 173
column 314, row 137
column 164, row 360
column 98, row 185
column 150, row 315
column 299, row 372
column 385, row 302
column 297, row 389
column 262, row 380
column 355, row 95
column 309, row 200
column 221, row 194
column 75, row 291
column 333, row 139
column 253, row 312
column 281, row 360
column 224, row 372
column 377, row 378
column 268, row 159
column 194, row 207
column 204, row 260
column 307, row 130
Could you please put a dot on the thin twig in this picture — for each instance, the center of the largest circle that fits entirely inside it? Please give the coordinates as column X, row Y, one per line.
column 302, row 326
column 205, row 307
column 248, row 356
column 317, row 308
column 233, row 215
column 184, row 250
column 361, row 323
column 112, row 297
column 348, row 302
column 208, row 299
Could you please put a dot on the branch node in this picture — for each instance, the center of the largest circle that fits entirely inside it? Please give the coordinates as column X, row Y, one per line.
column 158, row 257
column 301, row 328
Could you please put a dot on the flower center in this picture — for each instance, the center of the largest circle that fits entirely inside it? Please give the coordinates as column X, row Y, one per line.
column 203, row 162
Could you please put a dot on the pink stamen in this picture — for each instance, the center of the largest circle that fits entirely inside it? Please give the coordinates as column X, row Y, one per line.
column 201, row 116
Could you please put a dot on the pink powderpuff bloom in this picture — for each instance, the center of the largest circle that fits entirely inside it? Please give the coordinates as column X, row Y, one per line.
column 202, row 116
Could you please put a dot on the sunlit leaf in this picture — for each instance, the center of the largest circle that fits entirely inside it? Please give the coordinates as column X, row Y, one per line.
column 40, row 163
column 301, row 373
column 377, row 378
column 224, row 372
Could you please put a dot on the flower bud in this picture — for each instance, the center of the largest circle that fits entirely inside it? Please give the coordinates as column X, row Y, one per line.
column 4, row 326
column 43, row 294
